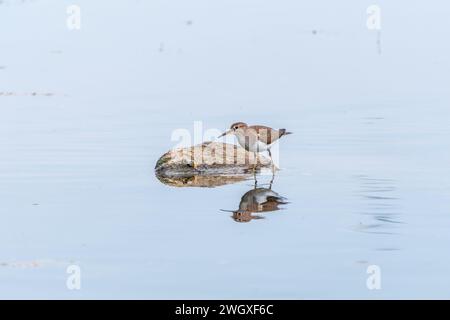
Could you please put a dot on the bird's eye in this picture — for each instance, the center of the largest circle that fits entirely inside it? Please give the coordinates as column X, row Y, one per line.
column 236, row 127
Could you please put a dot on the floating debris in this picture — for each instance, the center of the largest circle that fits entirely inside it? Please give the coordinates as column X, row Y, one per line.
column 24, row 94
column 31, row 264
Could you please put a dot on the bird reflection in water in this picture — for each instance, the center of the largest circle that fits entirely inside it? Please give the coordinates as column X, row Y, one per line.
column 257, row 200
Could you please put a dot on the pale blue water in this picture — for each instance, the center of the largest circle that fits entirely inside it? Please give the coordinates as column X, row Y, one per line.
column 366, row 172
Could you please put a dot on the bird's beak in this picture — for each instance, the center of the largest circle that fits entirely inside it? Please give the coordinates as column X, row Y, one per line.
column 228, row 210
column 225, row 133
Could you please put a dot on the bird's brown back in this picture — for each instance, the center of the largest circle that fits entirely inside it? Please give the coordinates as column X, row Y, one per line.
column 266, row 134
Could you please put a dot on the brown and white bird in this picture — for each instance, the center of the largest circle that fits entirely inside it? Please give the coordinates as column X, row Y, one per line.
column 255, row 138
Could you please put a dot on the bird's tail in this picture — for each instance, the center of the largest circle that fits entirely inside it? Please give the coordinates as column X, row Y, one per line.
column 283, row 132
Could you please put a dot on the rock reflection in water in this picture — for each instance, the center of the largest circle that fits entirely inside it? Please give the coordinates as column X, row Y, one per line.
column 254, row 201
column 202, row 180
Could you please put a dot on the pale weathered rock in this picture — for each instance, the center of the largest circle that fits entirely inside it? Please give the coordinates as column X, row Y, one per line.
column 208, row 165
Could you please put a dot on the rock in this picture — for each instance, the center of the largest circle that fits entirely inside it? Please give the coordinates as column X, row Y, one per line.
column 210, row 164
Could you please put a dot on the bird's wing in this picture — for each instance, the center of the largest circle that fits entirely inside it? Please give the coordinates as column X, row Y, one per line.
column 266, row 134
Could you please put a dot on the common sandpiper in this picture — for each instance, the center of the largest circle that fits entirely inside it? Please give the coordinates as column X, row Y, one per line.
column 255, row 138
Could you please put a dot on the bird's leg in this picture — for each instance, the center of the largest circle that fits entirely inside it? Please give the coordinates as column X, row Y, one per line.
column 271, row 161
column 273, row 169
column 271, row 181
column 254, row 171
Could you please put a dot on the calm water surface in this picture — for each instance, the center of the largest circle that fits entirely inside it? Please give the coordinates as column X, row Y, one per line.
column 85, row 115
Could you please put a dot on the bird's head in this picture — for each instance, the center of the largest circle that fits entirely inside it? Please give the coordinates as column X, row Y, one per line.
column 234, row 127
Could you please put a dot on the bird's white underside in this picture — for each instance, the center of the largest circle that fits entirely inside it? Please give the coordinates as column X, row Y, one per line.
column 253, row 144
